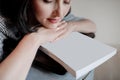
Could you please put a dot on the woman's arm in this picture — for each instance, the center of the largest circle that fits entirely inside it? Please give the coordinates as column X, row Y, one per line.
column 76, row 24
column 18, row 63
column 83, row 26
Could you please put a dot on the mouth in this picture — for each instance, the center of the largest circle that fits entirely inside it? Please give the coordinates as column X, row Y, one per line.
column 53, row 20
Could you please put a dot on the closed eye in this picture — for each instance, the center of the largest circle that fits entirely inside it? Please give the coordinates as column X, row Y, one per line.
column 47, row 1
column 67, row 1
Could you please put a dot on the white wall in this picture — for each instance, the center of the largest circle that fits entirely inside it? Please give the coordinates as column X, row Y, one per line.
column 106, row 15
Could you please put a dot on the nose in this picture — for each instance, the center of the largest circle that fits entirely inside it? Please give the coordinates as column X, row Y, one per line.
column 58, row 10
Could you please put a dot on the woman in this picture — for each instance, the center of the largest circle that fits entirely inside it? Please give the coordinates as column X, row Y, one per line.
column 28, row 24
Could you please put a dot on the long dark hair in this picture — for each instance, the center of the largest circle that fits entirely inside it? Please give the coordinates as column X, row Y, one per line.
column 19, row 15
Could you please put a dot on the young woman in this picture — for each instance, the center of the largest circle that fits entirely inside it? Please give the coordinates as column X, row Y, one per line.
column 25, row 25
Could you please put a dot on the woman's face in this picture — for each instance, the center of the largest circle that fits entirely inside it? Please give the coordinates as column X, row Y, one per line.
column 50, row 12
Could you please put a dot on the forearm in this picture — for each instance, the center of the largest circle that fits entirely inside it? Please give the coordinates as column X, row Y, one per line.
column 83, row 26
column 18, row 63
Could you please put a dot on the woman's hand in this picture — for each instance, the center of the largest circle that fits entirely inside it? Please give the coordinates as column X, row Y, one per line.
column 70, row 27
column 83, row 26
column 62, row 30
column 44, row 35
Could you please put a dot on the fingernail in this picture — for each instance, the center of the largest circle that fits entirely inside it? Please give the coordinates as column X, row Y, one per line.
column 58, row 28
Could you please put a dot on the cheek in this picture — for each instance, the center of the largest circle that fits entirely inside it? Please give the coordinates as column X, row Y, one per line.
column 41, row 14
column 41, row 11
column 66, row 10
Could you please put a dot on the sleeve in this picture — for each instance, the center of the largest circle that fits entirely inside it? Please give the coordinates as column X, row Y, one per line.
column 71, row 17
column 2, row 37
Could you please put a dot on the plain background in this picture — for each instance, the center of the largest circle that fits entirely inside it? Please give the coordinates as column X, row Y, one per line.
column 106, row 15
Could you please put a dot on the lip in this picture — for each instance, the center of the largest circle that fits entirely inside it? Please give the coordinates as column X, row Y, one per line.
column 53, row 20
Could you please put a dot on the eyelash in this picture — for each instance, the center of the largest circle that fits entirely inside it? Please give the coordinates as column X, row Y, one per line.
column 48, row 1
column 67, row 2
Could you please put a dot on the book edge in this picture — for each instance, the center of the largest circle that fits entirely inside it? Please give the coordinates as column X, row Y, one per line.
column 92, row 66
column 69, row 69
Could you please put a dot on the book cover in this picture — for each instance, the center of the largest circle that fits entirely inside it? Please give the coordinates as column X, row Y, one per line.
column 78, row 53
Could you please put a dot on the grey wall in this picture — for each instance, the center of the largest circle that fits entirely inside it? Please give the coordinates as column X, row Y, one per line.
column 106, row 15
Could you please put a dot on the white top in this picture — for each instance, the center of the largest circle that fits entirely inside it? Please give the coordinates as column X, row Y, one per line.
column 78, row 53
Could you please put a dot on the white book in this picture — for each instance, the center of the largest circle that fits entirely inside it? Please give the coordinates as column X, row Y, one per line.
column 78, row 53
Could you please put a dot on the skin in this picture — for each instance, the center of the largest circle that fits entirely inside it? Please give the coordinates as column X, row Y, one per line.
column 18, row 63
column 50, row 13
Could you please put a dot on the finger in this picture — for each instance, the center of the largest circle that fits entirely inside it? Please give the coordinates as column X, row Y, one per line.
column 58, row 33
column 61, row 23
column 62, row 26
column 61, row 36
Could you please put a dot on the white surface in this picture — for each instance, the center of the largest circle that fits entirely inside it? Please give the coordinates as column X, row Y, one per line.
column 79, row 54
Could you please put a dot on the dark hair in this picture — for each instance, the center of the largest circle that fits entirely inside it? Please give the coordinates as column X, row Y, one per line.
column 16, row 16
column 20, row 14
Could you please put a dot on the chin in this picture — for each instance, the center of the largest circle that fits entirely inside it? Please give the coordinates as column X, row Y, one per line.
column 50, row 26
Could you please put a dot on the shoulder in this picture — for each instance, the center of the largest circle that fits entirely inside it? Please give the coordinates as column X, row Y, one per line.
column 2, row 38
column 2, row 30
column 2, row 25
column 6, row 30
column 1, row 18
